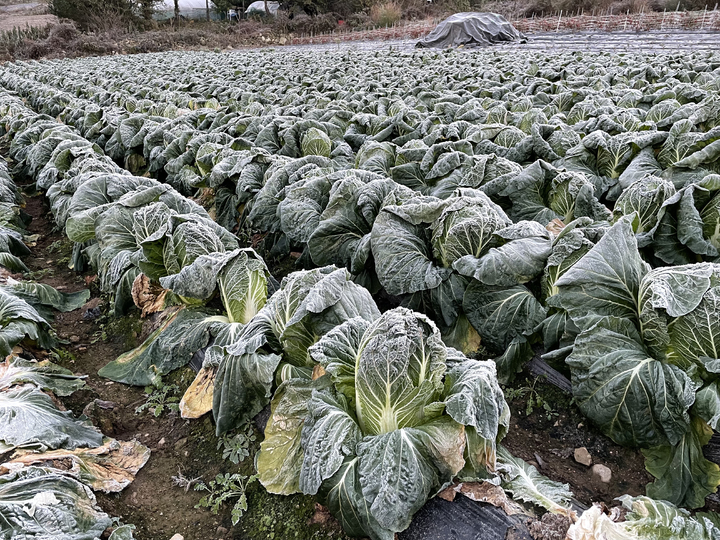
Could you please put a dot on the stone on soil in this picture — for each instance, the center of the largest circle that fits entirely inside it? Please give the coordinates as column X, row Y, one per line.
column 583, row 457
column 602, row 472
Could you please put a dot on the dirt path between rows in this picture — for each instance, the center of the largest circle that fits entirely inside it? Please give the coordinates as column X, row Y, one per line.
column 150, row 502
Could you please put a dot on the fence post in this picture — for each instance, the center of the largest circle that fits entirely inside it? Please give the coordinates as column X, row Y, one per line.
column 662, row 24
column 557, row 29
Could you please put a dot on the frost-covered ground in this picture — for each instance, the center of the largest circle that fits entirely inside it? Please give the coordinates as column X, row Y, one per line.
column 653, row 41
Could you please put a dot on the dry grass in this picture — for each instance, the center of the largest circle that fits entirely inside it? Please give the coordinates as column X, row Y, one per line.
column 386, row 14
column 65, row 41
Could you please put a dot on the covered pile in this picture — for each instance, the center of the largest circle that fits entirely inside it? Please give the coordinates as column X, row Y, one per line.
column 471, row 30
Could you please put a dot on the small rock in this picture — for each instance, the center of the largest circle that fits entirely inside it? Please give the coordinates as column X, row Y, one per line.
column 221, row 531
column 178, row 537
column 82, row 349
column 92, row 407
column 602, row 472
column 283, row 40
column 583, row 457
column 92, row 314
column 75, row 339
column 104, row 404
column 540, row 461
column 161, row 442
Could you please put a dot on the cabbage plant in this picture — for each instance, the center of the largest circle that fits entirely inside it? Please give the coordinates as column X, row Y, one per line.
column 240, row 278
column 690, row 220
column 307, row 305
column 643, row 366
column 646, row 198
column 395, row 416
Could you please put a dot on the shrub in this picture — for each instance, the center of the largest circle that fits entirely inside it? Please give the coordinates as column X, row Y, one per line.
column 305, row 24
column 571, row 6
column 386, row 14
column 684, row 5
column 344, row 8
column 632, row 6
column 416, row 10
column 361, row 21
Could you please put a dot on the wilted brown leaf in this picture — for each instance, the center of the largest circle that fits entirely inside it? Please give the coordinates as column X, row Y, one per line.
column 109, row 468
column 148, row 297
column 198, row 398
column 448, row 494
column 318, row 371
column 483, row 492
column 555, row 226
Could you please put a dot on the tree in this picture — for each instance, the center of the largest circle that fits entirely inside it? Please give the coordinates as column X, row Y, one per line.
column 103, row 14
column 177, row 12
column 147, row 8
column 267, row 10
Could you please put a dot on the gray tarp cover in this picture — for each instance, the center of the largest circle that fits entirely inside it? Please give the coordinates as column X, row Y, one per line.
column 471, row 30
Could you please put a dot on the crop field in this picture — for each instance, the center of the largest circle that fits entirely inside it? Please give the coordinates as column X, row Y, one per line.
column 298, row 295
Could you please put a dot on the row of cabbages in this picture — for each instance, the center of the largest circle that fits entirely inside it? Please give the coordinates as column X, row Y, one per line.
column 486, row 204
column 39, row 498
column 12, row 224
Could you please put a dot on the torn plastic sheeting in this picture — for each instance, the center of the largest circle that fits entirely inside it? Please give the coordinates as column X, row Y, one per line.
column 259, row 7
column 471, row 30
column 464, row 519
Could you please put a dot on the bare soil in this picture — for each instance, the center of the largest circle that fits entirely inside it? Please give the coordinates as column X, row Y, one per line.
column 548, row 441
column 8, row 21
